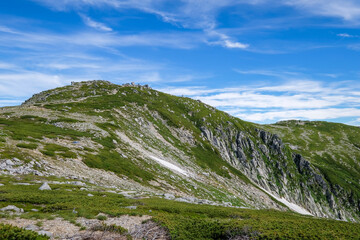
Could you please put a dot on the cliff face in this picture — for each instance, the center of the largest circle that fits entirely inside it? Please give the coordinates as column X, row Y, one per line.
column 268, row 162
column 144, row 142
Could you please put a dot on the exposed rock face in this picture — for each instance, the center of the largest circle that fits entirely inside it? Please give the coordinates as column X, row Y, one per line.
column 264, row 159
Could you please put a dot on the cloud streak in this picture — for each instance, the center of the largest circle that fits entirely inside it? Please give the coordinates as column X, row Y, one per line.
column 39, row 40
column 93, row 24
column 348, row 10
column 311, row 100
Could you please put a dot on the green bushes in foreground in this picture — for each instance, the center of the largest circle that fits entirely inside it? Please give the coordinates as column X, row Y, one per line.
column 182, row 220
column 8, row 232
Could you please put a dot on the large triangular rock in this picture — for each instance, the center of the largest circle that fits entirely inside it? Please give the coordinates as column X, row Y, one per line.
column 45, row 186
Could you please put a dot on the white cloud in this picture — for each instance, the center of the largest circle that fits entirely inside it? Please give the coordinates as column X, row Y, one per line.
column 65, row 66
column 231, row 44
column 10, row 102
column 6, row 66
column 223, row 40
column 40, row 40
column 311, row 100
column 308, row 114
column 188, row 91
column 93, row 24
column 202, row 14
column 260, row 100
column 348, row 10
column 27, row 83
column 345, row 35
column 299, row 85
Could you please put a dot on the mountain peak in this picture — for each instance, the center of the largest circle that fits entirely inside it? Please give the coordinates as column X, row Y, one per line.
column 79, row 90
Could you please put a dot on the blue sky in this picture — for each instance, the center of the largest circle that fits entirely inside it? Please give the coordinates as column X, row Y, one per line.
column 259, row 60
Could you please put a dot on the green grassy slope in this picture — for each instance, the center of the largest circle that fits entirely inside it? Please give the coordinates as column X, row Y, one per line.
column 183, row 221
column 53, row 125
column 170, row 108
column 42, row 126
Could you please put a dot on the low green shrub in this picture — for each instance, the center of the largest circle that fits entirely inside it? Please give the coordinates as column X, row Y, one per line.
column 66, row 120
column 8, row 232
column 101, row 217
column 27, row 145
column 52, row 150
column 68, row 154
column 110, row 228
column 182, row 220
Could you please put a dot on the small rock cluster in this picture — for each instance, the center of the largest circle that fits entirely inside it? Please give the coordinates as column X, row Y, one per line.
column 12, row 210
column 15, row 166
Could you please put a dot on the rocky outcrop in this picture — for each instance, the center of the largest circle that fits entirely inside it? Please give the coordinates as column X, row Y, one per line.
column 15, row 166
column 264, row 159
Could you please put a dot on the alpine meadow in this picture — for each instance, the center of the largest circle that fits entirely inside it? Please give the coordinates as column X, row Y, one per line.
column 179, row 119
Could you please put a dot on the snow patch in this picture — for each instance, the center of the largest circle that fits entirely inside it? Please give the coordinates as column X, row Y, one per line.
column 290, row 205
column 170, row 165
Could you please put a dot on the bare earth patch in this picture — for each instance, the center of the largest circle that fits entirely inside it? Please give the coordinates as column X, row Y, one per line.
column 138, row 227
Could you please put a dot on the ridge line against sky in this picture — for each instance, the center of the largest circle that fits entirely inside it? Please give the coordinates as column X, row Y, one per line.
column 260, row 60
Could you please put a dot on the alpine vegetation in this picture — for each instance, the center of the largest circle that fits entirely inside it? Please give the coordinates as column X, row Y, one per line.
column 106, row 161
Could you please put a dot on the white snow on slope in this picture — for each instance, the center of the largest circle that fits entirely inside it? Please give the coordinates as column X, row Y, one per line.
column 170, row 165
column 290, row 205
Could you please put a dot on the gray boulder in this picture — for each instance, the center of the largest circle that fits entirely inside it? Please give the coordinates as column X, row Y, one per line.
column 78, row 183
column 45, row 186
column 12, row 208
column 9, row 162
column 32, row 227
column 46, row 233
column 169, row 196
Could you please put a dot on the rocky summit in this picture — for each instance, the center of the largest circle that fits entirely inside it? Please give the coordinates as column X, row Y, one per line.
column 157, row 163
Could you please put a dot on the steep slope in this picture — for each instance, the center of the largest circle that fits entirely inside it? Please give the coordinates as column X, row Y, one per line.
column 333, row 148
column 133, row 139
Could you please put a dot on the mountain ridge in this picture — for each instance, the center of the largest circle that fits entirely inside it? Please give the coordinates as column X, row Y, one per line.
column 122, row 128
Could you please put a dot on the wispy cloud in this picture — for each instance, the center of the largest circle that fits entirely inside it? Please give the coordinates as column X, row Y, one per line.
column 93, row 24
column 203, row 15
column 313, row 100
column 231, row 44
column 27, row 83
column 223, row 40
column 348, row 10
column 38, row 40
column 270, row 73
column 308, row 114
column 345, row 35
column 189, row 14
column 7, row 66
